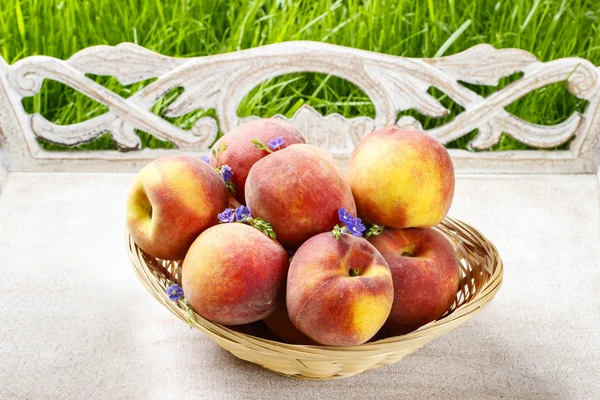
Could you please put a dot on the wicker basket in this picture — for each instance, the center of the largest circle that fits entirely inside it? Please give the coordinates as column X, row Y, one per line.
column 481, row 278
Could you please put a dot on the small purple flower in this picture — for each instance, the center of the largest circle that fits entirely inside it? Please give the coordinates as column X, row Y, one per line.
column 275, row 143
column 226, row 172
column 175, row 292
column 206, row 159
column 345, row 216
column 242, row 213
column 355, row 227
column 226, row 216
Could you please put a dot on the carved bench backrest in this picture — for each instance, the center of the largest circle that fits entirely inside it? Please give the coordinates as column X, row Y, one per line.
column 392, row 83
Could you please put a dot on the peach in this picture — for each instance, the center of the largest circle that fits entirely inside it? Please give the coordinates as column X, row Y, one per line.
column 299, row 190
column 401, row 178
column 233, row 273
column 339, row 292
column 233, row 203
column 241, row 154
column 281, row 325
column 426, row 276
column 171, row 201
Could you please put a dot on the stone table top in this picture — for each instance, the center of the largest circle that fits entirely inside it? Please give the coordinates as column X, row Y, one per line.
column 76, row 323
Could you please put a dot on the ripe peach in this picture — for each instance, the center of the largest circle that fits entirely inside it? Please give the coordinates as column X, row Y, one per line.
column 401, row 178
column 339, row 292
column 233, row 203
column 299, row 190
column 281, row 325
column 426, row 276
column 241, row 154
column 171, row 201
column 233, row 273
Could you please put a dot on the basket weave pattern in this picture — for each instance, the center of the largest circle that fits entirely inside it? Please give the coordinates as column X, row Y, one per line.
column 481, row 272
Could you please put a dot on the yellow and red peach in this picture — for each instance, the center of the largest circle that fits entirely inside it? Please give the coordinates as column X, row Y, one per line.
column 401, row 178
column 171, row 201
column 339, row 292
column 241, row 154
column 426, row 276
column 299, row 190
column 233, row 273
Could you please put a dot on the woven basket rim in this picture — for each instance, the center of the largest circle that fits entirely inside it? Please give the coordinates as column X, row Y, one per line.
column 234, row 338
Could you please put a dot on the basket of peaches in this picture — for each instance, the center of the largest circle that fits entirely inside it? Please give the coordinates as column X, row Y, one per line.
column 269, row 248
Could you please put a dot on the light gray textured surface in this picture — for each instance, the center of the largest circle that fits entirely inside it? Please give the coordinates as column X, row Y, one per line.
column 3, row 171
column 75, row 322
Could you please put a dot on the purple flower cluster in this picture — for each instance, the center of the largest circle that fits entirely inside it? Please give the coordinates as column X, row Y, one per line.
column 275, row 143
column 226, row 216
column 240, row 214
column 226, row 172
column 354, row 225
column 206, row 159
column 174, row 292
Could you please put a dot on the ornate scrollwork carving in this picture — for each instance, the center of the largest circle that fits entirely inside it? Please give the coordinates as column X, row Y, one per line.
column 392, row 83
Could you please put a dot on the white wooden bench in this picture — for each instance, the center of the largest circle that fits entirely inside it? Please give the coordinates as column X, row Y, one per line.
column 76, row 323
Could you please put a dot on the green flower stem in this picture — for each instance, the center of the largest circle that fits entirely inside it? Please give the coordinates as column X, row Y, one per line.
column 188, row 309
column 375, row 230
column 231, row 187
column 261, row 146
column 217, row 151
column 338, row 231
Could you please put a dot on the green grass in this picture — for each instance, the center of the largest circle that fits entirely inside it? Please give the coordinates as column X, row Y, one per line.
column 424, row 28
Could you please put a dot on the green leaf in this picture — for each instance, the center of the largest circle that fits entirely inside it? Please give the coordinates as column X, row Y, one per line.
column 20, row 22
column 262, row 226
column 294, row 108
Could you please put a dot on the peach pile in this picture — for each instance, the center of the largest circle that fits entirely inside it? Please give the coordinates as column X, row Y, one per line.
column 309, row 198
column 271, row 230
